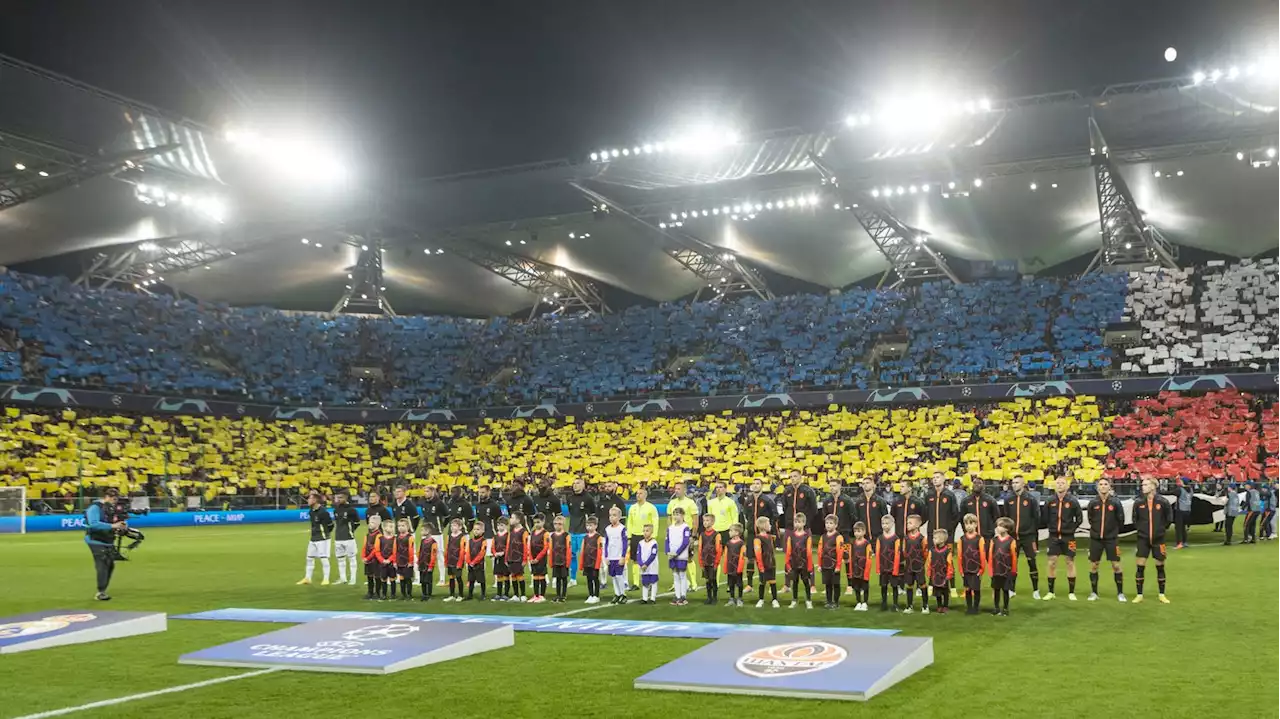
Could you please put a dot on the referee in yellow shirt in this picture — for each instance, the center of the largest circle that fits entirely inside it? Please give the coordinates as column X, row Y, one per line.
column 680, row 500
column 725, row 510
column 641, row 513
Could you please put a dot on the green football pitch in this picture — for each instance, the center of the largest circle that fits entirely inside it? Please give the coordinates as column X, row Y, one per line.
column 1213, row 650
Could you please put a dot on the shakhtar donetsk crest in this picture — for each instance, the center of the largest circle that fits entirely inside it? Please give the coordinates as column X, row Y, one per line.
column 788, row 660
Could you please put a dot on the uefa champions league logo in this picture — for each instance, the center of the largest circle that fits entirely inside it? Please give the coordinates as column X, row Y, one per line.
column 379, row 631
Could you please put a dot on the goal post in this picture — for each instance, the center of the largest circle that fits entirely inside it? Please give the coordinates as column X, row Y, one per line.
column 13, row 510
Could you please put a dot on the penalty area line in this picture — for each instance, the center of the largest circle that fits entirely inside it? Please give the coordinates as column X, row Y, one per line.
column 147, row 695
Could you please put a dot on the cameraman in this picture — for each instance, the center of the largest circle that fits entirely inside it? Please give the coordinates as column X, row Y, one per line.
column 100, row 535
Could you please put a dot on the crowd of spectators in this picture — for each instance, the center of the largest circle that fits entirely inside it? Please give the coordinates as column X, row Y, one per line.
column 55, row 333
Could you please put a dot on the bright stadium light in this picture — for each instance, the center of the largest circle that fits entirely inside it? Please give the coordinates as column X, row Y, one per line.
column 1271, row 152
column 305, row 241
column 614, row 153
column 595, row 157
column 364, row 248
column 148, row 246
column 1170, row 54
column 1034, row 186
column 647, row 148
column 1239, row 155
column 984, row 104
column 20, row 166
column 875, row 192
column 1215, row 75
column 1233, row 72
column 977, row 182
column 1157, row 173
column 913, row 189
column 924, row 187
column 1197, row 77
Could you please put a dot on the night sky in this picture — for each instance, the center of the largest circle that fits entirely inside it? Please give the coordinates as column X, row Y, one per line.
column 428, row 88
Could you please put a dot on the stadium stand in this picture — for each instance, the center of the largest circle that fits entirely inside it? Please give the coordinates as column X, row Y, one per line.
column 1213, row 436
column 237, row 459
column 1036, row 328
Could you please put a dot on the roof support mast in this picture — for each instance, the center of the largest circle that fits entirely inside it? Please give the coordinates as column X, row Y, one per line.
column 1127, row 238
column 905, row 247
column 720, row 270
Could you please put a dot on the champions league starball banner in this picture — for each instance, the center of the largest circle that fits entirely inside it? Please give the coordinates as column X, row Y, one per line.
column 817, row 665
column 60, row 627
column 359, row 646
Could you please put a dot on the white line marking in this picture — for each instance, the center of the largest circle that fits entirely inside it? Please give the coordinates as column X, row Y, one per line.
column 571, row 612
column 147, row 695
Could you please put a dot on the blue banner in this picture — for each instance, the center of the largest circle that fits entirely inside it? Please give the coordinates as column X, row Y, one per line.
column 820, row 664
column 59, row 627
column 557, row 625
column 75, row 522
column 359, row 646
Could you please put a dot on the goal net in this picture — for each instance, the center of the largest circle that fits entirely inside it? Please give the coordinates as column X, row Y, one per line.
column 13, row 510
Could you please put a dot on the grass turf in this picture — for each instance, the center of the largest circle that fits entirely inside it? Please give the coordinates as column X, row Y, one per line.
column 1047, row 659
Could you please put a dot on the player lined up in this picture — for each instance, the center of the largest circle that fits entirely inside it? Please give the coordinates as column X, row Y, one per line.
column 910, row 564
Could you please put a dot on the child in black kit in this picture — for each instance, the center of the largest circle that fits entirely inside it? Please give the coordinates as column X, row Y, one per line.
column 1002, row 563
column 427, row 558
column 889, row 563
column 941, row 570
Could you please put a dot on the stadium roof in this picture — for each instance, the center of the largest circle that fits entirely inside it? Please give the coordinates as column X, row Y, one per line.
column 1190, row 133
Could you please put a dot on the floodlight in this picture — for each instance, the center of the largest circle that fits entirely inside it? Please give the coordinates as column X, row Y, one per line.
column 148, row 246
column 875, row 192
column 305, row 241
column 614, row 153
column 558, row 273
column 659, row 146
column 1197, row 77
column 850, row 121
column 1170, row 54
column 440, row 251
column 662, row 225
column 150, row 271
column 156, row 192
column 1033, row 187
column 1271, row 152
column 984, row 104
column 684, row 215
column 364, row 296
column 1128, row 245
column 715, row 210
column 625, row 152
column 508, row 243
column 1054, row 185
column 836, row 206
column 1180, row 173
column 913, row 189
column 319, row 245
column 364, row 248
column 1233, row 72
column 758, row 208
column 902, row 190
column 1156, row 173
column 1215, row 75
column 977, row 182
column 595, row 156
column 791, row 202
column 635, row 151
column 186, row 200
column 647, row 149
column 572, row 236
column 673, row 216
column 426, row 250
column 737, row 209
column 924, row 187
column 1239, row 155
column 951, row 185
column 813, row 199
column 768, row 205
column 20, row 166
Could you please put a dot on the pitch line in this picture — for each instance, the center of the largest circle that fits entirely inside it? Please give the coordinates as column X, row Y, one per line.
column 146, row 695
